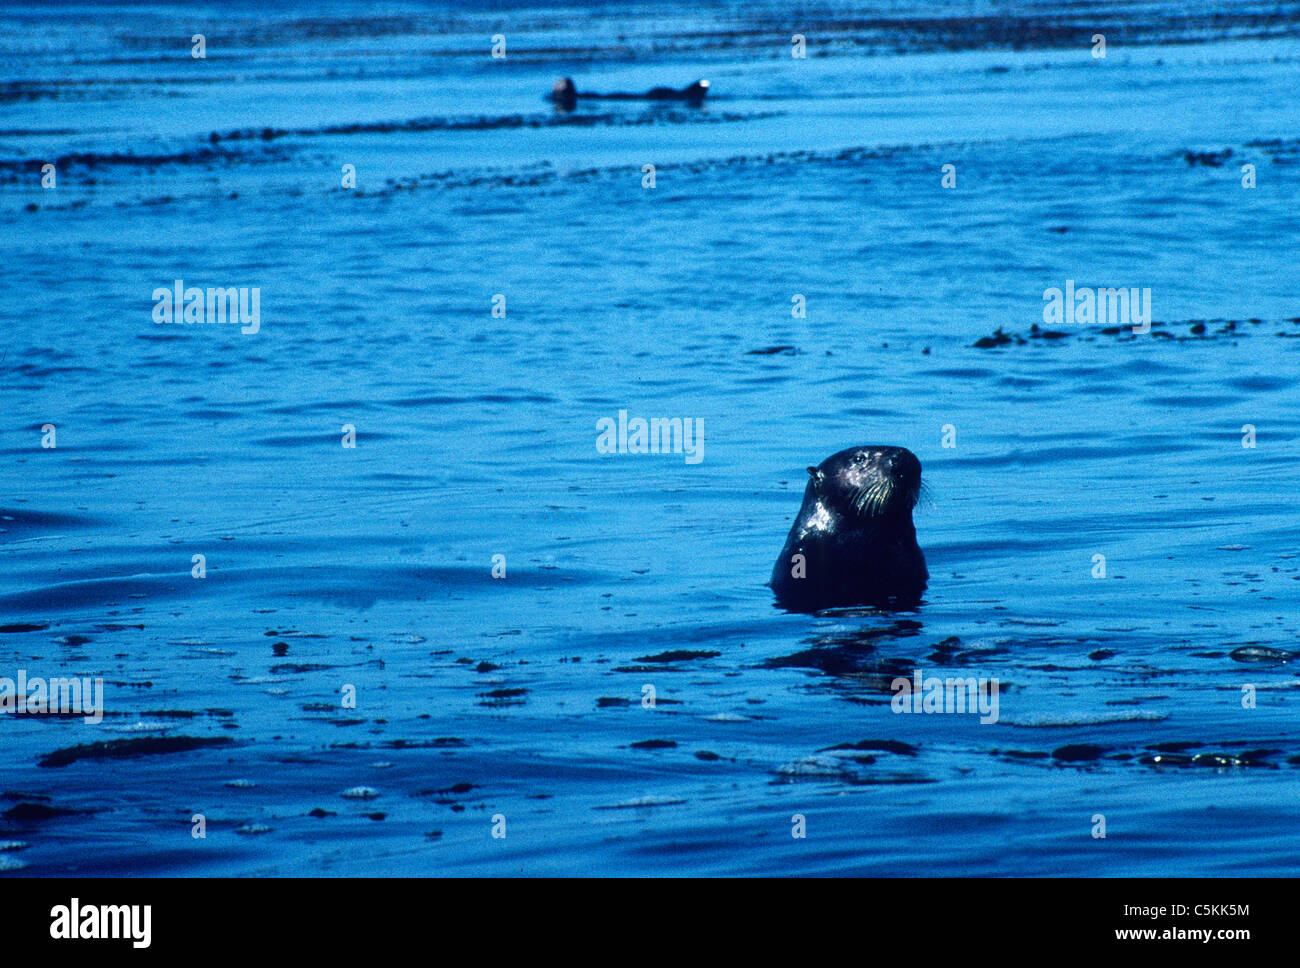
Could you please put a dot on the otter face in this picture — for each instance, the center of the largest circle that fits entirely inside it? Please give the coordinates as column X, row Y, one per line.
column 696, row 92
column 869, row 482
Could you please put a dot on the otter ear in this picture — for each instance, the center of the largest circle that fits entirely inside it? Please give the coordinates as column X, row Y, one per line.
column 812, row 472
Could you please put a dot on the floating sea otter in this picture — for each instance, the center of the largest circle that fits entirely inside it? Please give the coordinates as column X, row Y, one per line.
column 566, row 95
column 853, row 542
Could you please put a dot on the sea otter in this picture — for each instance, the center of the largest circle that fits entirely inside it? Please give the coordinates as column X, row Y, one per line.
column 566, row 95
column 853, row 542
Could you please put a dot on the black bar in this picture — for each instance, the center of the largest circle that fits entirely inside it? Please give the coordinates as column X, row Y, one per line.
column 331, row 918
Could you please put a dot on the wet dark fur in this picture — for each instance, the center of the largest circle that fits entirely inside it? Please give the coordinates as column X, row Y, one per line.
column 566, row 95
column 855, row 532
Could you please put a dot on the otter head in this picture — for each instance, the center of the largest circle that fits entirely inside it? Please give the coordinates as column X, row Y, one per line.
column 564, row 94
column 869, row 483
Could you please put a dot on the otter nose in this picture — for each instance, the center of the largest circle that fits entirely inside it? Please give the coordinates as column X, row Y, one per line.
column 902, row 466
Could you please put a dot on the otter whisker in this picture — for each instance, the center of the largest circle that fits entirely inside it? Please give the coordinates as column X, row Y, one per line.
column 883, row 491
column 863, row 498
column 871, row 500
